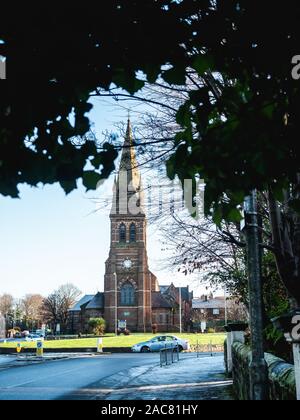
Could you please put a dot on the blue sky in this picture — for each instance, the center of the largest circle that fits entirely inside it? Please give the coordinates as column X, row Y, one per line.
column 48, row 238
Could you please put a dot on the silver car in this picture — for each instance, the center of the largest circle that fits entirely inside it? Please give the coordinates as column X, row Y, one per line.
column 161, row 342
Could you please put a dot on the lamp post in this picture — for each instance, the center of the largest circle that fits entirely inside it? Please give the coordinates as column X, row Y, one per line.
column 180, row 310
column 226, row 308
column 116, row 304
column 258, row 366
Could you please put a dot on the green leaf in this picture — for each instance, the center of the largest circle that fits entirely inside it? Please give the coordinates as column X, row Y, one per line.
column 234, row 215
column 90, row 180
column 218, row 216
column 183, row 115
column 175, row 76
column 68, row 186
column 128, row 82
column 202, row 63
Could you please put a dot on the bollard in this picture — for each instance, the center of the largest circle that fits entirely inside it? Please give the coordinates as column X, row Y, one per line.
column 19, row 348
column 39, row 348
column 100, row 345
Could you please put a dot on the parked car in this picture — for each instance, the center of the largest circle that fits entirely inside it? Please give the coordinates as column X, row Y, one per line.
column 161, row 342
column 34, row 337
column 41, row 333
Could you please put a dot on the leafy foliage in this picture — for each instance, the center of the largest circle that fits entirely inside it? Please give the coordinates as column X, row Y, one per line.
column 97, row 325
column 56, row 58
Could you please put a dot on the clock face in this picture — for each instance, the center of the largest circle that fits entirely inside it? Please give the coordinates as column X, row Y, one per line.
column 127, row 263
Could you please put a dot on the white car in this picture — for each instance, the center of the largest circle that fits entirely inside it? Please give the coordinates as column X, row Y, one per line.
column 34, row 337
column 161, row 342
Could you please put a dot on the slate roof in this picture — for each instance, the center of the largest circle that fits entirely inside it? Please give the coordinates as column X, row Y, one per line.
column 83, row 301
column 97, row 302
column 163, row 289
column 158, row 301
column 216, row 303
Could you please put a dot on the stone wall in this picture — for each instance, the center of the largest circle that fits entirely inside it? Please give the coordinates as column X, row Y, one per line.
column 282, row 384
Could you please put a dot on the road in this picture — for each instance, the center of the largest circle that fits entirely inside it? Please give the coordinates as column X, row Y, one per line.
column 73, row 379
column 117, row 376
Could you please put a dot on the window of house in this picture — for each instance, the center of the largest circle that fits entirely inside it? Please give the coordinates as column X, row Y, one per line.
column 122, row 233
column 127, row 295
column 216, row 311
column 132, row 232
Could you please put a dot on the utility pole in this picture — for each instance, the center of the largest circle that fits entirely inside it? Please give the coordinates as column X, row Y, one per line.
column 258, row 366
column 116, row 304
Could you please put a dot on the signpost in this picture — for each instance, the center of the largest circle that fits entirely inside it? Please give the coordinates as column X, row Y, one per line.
column 122, row 325
column 39, row 348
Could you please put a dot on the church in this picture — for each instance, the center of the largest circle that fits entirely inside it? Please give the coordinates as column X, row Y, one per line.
column 132, row 293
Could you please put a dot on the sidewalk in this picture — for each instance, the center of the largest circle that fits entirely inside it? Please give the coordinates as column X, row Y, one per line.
column 189, row 379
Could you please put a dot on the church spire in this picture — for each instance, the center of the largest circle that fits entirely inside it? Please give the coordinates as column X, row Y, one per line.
column 128, row 160
column 128, row 184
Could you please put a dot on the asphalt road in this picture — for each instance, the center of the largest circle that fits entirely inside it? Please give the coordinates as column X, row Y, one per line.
column 78, row 378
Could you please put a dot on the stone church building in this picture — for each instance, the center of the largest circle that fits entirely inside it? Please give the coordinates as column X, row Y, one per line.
column 131, row 291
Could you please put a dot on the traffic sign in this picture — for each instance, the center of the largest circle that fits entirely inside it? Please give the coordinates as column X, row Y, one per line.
column 40, row 348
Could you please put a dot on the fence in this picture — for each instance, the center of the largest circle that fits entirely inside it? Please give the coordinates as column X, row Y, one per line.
column 169, row 355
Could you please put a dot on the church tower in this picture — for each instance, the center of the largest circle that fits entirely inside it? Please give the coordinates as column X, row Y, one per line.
column 128, row 282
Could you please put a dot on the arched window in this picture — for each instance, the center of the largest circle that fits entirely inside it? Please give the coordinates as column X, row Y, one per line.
column 122, row 233
column 132, row 232
column 127, row 295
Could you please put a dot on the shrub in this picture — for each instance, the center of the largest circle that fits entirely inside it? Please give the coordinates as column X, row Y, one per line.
column 97, row 325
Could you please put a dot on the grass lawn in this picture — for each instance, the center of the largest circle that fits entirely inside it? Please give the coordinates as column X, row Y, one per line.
column 121, row 341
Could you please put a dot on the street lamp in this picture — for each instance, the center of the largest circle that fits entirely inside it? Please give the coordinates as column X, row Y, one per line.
column 180, row 310
column 258, row 366
column 226, row 308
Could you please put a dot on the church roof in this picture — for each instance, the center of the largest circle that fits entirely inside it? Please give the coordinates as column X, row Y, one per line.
column 83, row 301
column 97, row 302
column 158, row 301
column 164, row 289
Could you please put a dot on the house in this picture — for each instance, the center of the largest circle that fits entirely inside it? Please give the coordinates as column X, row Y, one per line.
column 210, row 310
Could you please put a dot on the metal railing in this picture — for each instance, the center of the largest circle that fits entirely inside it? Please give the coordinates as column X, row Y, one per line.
column 210, row 349
column 169, row 355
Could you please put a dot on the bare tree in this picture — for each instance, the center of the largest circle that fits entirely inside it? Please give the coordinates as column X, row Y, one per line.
column 57, row 305
column 32, row 309
column 6, row 304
